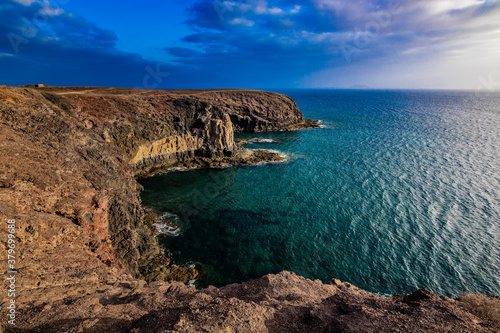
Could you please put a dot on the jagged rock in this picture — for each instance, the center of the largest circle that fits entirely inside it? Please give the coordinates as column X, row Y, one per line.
column 84, row 245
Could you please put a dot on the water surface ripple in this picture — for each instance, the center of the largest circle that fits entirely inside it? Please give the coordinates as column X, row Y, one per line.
column 400, row 190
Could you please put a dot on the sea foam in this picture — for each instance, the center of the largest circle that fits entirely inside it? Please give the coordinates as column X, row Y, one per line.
column 167, row 225
column 258, row 140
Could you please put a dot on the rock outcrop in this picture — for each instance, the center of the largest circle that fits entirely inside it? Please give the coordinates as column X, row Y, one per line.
column 85, row 252
column 274, row 303
column 75, row 153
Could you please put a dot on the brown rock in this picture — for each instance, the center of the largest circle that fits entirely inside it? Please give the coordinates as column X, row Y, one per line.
column 69, row 158
column 335, row 282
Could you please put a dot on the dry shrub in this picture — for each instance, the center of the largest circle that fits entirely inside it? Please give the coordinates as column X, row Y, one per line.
column 482, row 306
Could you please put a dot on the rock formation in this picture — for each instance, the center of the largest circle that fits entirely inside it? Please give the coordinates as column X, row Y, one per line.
column 85, row 250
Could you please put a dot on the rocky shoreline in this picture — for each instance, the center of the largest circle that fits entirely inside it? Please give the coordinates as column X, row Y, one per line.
column 244, row 157
column 88, row 259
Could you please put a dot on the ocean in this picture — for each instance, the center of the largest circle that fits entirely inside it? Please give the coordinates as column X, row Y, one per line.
column 398, row 190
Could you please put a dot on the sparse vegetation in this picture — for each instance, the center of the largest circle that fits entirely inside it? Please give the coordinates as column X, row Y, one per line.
column 482, row 306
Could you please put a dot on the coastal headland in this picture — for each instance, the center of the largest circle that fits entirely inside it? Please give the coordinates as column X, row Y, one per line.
column 86, row 258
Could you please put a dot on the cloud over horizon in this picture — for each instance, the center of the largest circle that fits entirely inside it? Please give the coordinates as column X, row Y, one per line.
column 45, row 44
column 262, row 44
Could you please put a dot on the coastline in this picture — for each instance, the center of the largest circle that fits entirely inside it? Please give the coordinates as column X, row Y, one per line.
column 244, row 157
column 116, row 136
column 89, row 259
column 183, row 272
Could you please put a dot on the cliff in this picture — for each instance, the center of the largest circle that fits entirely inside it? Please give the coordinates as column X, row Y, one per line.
column 85, row 248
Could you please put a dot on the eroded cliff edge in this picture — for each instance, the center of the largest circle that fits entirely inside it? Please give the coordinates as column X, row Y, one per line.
column 86, row 145
column 69, row 158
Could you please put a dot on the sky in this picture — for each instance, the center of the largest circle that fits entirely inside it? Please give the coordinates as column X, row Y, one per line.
column 168, row 44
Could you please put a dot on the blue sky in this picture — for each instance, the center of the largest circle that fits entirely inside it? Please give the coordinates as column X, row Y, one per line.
column 419, row 44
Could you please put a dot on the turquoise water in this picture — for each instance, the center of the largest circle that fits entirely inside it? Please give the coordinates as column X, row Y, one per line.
column 400, row 190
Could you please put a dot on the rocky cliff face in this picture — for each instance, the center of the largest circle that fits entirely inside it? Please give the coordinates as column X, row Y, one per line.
column 91, row 143
column 161, row 129
column 69, row 158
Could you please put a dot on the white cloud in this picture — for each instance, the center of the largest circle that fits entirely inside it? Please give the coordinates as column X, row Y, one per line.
column 280, row 11
column 436, row 7
column 49, row 11
column 47, row 8
column 275, row 11
column 261, row 8
column 296, row 9
column 350, row 10
column 6, row 55
column 236, row 7
column 287, row 23
column 26, row 2
column 242, row 21
column 434, row 44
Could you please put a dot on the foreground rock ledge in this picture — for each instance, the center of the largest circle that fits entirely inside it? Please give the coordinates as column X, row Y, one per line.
column 69, row 159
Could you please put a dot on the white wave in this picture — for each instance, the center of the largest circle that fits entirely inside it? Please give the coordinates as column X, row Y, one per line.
column 260, row 140
column 285, row 156
column 167, row 225
column 384, row 295
column 282, row 154
column 321, row 124
column 257, row 140
column 177, row 169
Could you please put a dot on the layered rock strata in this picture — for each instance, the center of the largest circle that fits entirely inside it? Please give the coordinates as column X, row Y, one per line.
column 74, row 153
column 85, row 248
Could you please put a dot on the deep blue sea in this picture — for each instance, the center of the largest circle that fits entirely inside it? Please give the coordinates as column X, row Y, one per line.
column 399, row 190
